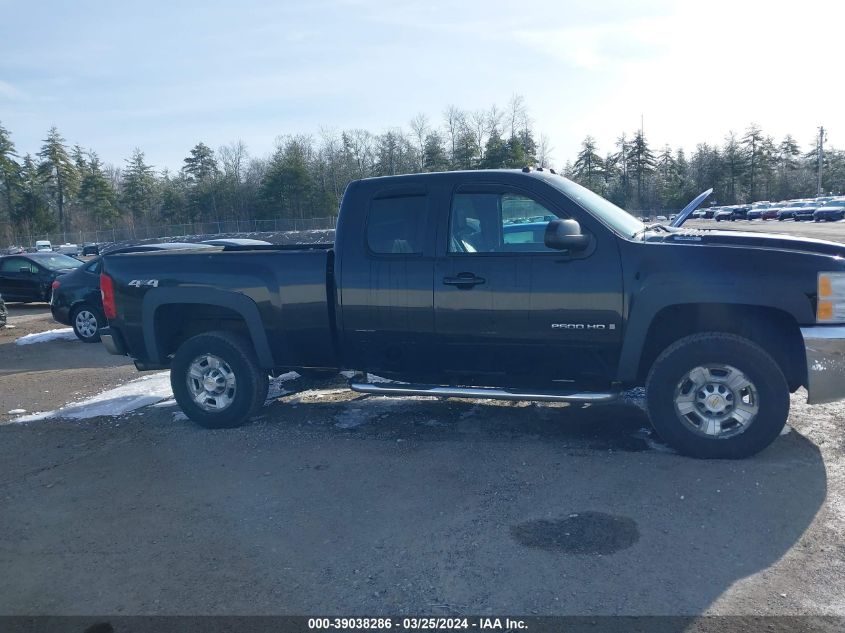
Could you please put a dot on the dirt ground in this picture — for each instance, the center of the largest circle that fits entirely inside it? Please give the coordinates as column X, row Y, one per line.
column 45, row 376
column 335, row 503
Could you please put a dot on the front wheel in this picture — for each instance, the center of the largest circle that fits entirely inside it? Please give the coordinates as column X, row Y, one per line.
column 715, row 395
column 217, row 380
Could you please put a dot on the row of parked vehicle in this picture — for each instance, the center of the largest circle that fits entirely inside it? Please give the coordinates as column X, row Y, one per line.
column 821, row 209
column 71, row 285
column 45, row 246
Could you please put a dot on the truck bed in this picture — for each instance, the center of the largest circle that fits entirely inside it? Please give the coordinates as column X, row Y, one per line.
column 280, row 296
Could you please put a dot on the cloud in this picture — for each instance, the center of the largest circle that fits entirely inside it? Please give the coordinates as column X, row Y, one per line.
column 8, row 92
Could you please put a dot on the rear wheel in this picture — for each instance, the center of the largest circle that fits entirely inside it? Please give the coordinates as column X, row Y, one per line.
column 716, row 395
column 217, row 380
column 86, row 322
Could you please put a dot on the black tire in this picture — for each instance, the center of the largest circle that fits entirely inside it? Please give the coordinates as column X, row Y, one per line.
column 251, row 381
column 714, row 348
column 82, row 330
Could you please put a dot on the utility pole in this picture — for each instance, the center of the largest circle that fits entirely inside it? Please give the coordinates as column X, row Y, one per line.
column 819, row 191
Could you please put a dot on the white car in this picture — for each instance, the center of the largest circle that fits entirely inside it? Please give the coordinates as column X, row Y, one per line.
column 43, row 246
column 68, row 249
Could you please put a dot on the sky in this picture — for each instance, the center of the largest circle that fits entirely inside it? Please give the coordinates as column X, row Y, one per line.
column 163, row 76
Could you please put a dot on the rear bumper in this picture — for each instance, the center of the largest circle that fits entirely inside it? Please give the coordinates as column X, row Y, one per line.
column 112, row 341
column 825, row 348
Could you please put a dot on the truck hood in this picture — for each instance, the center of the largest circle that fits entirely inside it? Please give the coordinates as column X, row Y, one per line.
column 749, row 239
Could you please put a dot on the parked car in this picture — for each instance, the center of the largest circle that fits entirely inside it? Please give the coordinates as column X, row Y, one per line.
column 756, row 212
column 90, row 249
column 787, row 211
column 3, row 313
column 831, row 211
column 68, row 249
column 771, row 211
column 15, row 250
column 432, row 296
column 28, row 277
column 805, row 211
column 740, row 211
column 76, row 299
column 43, row 246
column 725, row 213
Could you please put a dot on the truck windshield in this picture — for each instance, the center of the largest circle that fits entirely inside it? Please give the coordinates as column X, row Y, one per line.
column 618, row 219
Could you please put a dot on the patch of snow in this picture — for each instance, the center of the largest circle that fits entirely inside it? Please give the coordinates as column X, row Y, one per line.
column 60, row 334
column 178, row 416
column 277, row 389
column 786, row 430
column 9, row 326
column 133, row 395
column 17, row 411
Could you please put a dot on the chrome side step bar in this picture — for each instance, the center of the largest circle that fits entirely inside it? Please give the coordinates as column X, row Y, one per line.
column 490, row 393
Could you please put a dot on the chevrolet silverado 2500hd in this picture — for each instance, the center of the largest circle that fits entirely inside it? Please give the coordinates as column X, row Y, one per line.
column 509, row 284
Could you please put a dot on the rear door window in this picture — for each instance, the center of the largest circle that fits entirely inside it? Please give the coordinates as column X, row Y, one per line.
column 396, row 226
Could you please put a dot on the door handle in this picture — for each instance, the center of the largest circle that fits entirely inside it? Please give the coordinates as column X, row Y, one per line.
column 464, row 280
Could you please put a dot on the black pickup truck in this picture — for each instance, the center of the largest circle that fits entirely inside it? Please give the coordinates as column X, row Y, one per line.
column 507, row 284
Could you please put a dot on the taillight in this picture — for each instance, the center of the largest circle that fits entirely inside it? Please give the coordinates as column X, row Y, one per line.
column 55, row 284
column 107, row 290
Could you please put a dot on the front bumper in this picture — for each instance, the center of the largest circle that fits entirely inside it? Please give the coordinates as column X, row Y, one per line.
column 825, row 348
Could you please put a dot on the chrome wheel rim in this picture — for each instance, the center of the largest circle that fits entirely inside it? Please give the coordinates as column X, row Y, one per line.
column 716, row 401
column 86, row 323
column 211, row 383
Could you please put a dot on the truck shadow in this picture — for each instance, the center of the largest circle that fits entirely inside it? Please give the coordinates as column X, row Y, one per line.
column 578, row 507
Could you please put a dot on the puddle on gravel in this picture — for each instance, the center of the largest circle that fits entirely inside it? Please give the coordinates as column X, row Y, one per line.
column 582, row 533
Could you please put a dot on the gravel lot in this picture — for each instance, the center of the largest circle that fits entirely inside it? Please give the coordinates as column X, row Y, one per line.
column 330, row 502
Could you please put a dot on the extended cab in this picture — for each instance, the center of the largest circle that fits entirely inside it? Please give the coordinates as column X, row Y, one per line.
column 499, row 284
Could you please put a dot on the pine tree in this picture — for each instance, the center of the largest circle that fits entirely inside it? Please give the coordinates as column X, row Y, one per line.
column 32, row 214
column 57, row 169
column 10, row 171
column 97, row 194
column 434, row 154
column 753, row 144
column 642, row 164
column 588, row 169
column 496, row 153
column 138, row 186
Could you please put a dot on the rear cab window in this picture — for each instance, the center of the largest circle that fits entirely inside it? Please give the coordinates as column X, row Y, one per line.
column 396, row 225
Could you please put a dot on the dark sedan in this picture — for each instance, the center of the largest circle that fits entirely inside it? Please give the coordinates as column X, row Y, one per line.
column 76, row 296
column 806, row 211
column 29, row 277
column 830, row 211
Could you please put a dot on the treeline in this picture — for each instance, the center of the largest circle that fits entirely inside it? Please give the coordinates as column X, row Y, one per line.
column 67, row 188
column 743, row 169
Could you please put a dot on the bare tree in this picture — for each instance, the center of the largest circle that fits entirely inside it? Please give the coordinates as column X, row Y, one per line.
column 420, row 129
column 455, row 120
column 544, row 151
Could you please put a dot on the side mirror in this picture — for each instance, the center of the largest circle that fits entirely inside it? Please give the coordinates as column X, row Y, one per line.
column 565, row 235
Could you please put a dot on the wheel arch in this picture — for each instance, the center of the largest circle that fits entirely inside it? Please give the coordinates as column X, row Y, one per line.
column 775, row 329
column 170, row 315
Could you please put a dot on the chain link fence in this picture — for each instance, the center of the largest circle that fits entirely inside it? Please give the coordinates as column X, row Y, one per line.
column 139, row 233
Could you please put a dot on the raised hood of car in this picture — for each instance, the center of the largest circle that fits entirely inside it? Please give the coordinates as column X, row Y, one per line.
column 749, row 239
